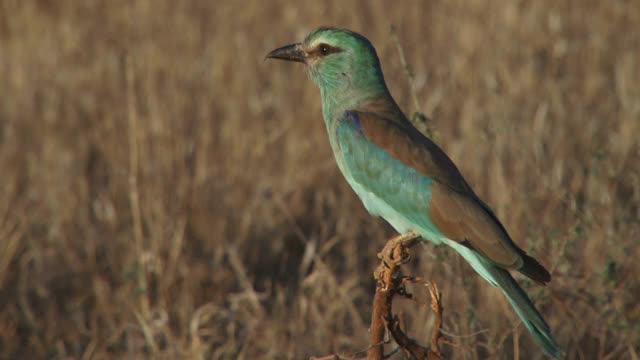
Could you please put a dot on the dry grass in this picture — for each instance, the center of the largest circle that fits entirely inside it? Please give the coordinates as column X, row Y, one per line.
column 167, row 194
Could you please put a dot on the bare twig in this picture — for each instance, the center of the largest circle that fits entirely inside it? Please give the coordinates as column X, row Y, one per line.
column 405, row 65
column 418, row 119
column 409, row 345
column 134, row 194
column 387, row 274
column 436, row 307
column 391, row 282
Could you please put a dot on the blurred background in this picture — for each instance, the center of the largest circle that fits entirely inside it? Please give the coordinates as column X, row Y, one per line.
column 165, row 193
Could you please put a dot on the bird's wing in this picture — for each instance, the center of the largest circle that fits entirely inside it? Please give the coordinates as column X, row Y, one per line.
column 391, row 158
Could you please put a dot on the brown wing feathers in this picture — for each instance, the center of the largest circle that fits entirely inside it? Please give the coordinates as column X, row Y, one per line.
column 453, row 208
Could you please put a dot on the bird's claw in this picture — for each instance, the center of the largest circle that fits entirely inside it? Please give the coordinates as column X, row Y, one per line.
column 404, row 241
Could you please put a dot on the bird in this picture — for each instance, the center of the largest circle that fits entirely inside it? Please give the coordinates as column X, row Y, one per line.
column 404, row 177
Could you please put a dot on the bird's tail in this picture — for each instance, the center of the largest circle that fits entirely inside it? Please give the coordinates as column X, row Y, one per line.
column 527, row 312
column 518, row 299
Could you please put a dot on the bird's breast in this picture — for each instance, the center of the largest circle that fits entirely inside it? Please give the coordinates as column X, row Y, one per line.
column 387, row 187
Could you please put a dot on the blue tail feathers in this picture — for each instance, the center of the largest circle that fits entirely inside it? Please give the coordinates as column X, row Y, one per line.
column 527, row 312
column 518, row 299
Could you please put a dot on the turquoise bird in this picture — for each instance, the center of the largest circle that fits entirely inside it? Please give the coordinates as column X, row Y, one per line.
column 402, row 176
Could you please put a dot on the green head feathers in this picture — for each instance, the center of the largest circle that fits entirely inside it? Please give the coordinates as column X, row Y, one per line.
column 342, row 63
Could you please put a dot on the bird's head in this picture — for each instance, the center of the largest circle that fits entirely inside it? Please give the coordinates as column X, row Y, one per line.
column 341, row 62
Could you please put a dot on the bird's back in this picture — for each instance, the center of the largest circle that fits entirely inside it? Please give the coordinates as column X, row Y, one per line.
column 404, row 177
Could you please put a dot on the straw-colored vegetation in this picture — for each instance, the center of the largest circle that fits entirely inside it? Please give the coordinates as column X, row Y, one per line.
column 165, row 193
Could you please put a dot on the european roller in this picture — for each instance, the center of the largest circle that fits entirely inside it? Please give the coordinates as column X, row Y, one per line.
column 405, row 178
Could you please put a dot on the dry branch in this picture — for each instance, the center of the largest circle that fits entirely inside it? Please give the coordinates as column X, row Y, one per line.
column 391, row 282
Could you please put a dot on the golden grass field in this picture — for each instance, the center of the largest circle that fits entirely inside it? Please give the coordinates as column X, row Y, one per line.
column 167, row 194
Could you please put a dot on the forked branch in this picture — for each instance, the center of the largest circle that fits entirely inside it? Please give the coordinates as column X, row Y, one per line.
column 389, row 283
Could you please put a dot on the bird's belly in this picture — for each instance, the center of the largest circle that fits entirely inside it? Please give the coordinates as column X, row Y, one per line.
column 375, row 206
column 378, row 207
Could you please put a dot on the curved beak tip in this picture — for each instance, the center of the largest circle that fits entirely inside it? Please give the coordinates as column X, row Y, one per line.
column 293, row 52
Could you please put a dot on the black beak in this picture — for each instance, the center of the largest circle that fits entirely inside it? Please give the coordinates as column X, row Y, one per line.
column 291, row 52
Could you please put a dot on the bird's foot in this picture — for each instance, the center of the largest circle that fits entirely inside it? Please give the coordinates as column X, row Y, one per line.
column 395, row 251
column 394, row 254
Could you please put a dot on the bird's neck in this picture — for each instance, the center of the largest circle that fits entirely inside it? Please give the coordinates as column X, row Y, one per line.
column 377, row 100
column 382, row 105
column 337, row 101
column 334, row 109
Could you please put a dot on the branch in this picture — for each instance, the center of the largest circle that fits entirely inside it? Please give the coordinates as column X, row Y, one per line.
column 389, row 283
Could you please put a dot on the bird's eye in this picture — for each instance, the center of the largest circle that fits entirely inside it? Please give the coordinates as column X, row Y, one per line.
column 325, row 50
